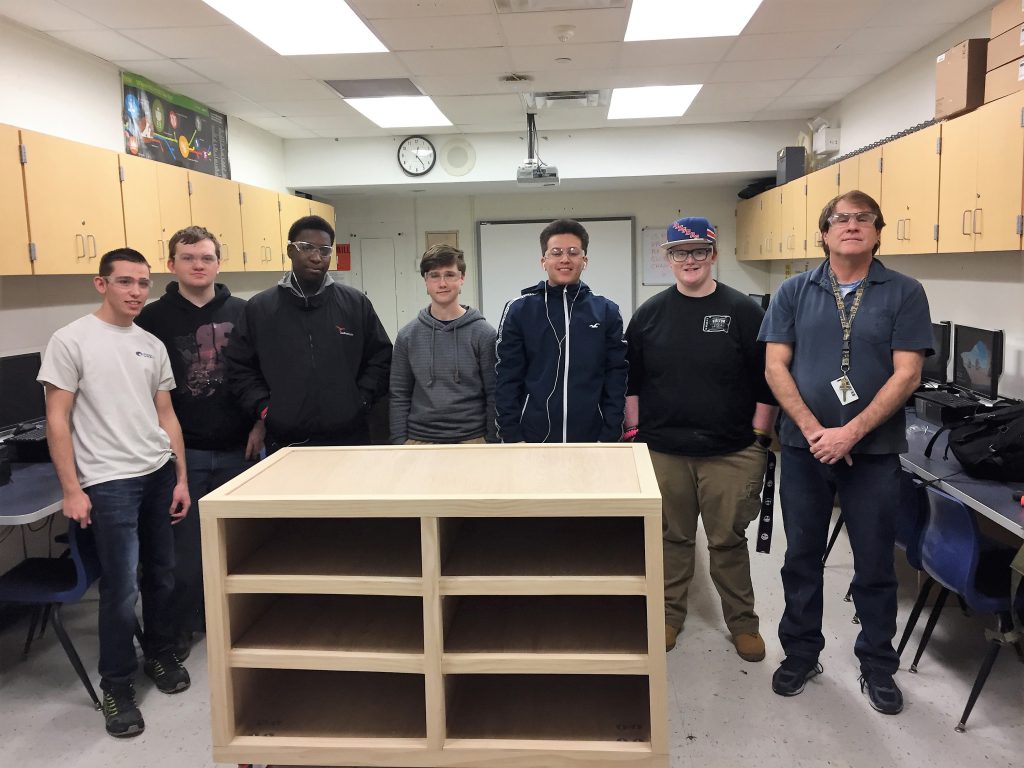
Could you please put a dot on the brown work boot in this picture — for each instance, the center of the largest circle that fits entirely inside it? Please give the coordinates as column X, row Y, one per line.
column 749, row 646
column 671, row 633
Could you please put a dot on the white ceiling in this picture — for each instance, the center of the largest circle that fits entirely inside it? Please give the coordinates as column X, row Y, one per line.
column 794, row 59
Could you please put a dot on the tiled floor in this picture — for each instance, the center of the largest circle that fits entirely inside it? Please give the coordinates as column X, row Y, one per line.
column 722, row 710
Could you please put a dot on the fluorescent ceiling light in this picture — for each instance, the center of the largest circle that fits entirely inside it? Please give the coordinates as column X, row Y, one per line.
column 302, row 27
column 652, row 101
column 401, row 111
column 672, row 20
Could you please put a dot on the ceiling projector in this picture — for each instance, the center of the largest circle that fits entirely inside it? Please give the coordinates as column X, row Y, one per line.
column 532, row 172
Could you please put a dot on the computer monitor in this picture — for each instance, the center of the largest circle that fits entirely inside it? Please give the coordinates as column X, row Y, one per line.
column 977, row 360
column 936, row 367
column 761, row 299
column 21, row 396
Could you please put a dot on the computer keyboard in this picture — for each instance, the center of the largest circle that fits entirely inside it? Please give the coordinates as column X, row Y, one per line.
column 946, row 399
column 33, row 435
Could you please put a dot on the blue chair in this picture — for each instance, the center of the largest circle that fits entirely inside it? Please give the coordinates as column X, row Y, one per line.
column 962, row 561
column 51, row 582
column 910, row 527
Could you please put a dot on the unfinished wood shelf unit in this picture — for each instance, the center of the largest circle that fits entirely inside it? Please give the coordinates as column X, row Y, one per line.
column 479, row 605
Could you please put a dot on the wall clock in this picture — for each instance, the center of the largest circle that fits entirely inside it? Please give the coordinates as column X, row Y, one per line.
column 416, row 155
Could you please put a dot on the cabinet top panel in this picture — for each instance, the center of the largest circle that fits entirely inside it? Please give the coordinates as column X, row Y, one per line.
column 439, row 472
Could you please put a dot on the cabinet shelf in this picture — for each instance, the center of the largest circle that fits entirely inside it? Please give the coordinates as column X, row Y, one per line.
column 553, row 624
column 275, row 703
column 382, row 547
column 564, row 707
column 549, row 546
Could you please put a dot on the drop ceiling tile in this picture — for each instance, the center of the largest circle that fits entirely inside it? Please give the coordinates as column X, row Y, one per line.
column 468, row 85
column 797, row 100
column 460, row 109
column 847, row 66
column 347, row 125
column 207, row 92
column 199, row 42
column 276, row 90
column 809, row 15
column 787, row 45
column 438, row 33
column 785, row 114
column 105, row 43
column 891, row 39
column 162, row 71
column 479, row 60
column 712, row 106
column 350, row 66
column 696, row 51
column 757, row 71
column 603, row 25
column 702, row 117
column 239, row 107
column 399, row 9
column 584, row 56
column 830, row 86
column 119, row 14
column 911, row 12
column 46, row 15
column 223, row 68
column 741, row 91
column 295, row 108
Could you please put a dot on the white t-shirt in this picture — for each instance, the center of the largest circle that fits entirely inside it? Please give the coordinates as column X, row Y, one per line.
column 115, row 373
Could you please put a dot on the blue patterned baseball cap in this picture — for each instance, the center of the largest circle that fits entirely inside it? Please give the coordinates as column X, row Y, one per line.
column 691, row 229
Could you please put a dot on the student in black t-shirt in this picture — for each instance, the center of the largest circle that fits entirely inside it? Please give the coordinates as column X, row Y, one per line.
column 697, row 396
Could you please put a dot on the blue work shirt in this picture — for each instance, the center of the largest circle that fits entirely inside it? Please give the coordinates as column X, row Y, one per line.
column 893, row 315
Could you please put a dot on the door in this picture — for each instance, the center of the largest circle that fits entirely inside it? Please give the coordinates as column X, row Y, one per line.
column 910, row 192
column 14, row 255
column 378, row 256
column 822, row 187
column 1000, row 153
column 290, row 210
column 140, row 198
column 261, row 229
column 175, row 212
column 214, row 204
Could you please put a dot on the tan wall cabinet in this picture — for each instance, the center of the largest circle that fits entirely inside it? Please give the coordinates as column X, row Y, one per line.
column 261, row 229
column 494, row 605
column 215, row 205
column 14, row 251
column 793, row 220
column 290, row 210
column 74, row 211
column 982, row 168
column 910, row 193
column 822, row 186
column 156, row 205
column 323, row 210
column 747, row 212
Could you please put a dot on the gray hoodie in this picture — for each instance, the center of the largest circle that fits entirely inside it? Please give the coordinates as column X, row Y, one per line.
column 442, row 380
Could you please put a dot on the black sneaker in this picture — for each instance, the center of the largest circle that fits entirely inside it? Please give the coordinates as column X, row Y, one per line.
column 883, row 693
column 183, row 645
column 166, row 671
column 791, row 675
column 123, row 717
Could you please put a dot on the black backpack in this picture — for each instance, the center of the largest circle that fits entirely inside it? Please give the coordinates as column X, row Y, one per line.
column 989, row 445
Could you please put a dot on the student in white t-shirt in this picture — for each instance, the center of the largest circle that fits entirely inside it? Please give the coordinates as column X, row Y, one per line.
column 118, row 451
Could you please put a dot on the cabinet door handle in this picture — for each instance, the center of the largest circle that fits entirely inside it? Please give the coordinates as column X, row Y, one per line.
column 78, row 238
column 977, row 221
column 964, row 226
column 906, row 229
column 92, row 239
column 899, row 229
column 160, row 249
column 227, row 252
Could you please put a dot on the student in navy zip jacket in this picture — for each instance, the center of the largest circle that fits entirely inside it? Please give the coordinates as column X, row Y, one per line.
column 555, row 385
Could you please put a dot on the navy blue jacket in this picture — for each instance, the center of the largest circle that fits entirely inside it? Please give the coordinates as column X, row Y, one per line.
column 534, row 402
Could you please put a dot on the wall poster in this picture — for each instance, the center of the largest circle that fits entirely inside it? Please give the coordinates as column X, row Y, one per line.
column 174, row 129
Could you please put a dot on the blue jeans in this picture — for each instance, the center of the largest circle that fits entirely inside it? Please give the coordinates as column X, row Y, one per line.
column 207, row 470
column 869, row 496
column 131, row 525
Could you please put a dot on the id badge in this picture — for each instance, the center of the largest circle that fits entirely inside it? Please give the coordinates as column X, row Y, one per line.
column 844, row 390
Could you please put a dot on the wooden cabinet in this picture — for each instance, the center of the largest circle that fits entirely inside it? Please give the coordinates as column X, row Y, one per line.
column 910, row 193
column 747, row 212
column 214, row 204
column 864, row 172
column 261, row 229
column 73, row 194
column 290, row 209
column 390, row 614
column 323, row 210
column 155, row 200
column 822, row 187
column 14, row 250
column 982, row 165
column 792, row 220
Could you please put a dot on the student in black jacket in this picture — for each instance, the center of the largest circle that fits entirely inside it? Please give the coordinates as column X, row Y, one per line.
column 310, row 357
column 195, row 319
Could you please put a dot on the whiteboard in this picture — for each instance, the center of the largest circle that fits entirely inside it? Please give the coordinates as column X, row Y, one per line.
column 656, row 269
column 510, row 261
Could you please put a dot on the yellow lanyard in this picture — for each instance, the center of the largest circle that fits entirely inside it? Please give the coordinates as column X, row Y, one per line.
column 844, row 321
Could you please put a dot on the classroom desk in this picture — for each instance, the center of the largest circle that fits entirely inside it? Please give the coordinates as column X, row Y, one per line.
column 988, row 497
column 33, row 494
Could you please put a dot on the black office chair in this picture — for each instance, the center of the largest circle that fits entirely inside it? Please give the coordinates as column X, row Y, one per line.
column 51, row 582
column 962, row 561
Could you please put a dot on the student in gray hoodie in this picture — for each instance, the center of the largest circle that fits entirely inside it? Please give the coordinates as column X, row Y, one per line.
column 442, row 371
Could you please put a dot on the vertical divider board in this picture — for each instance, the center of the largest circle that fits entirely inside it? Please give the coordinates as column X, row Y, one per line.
column 555, row 529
